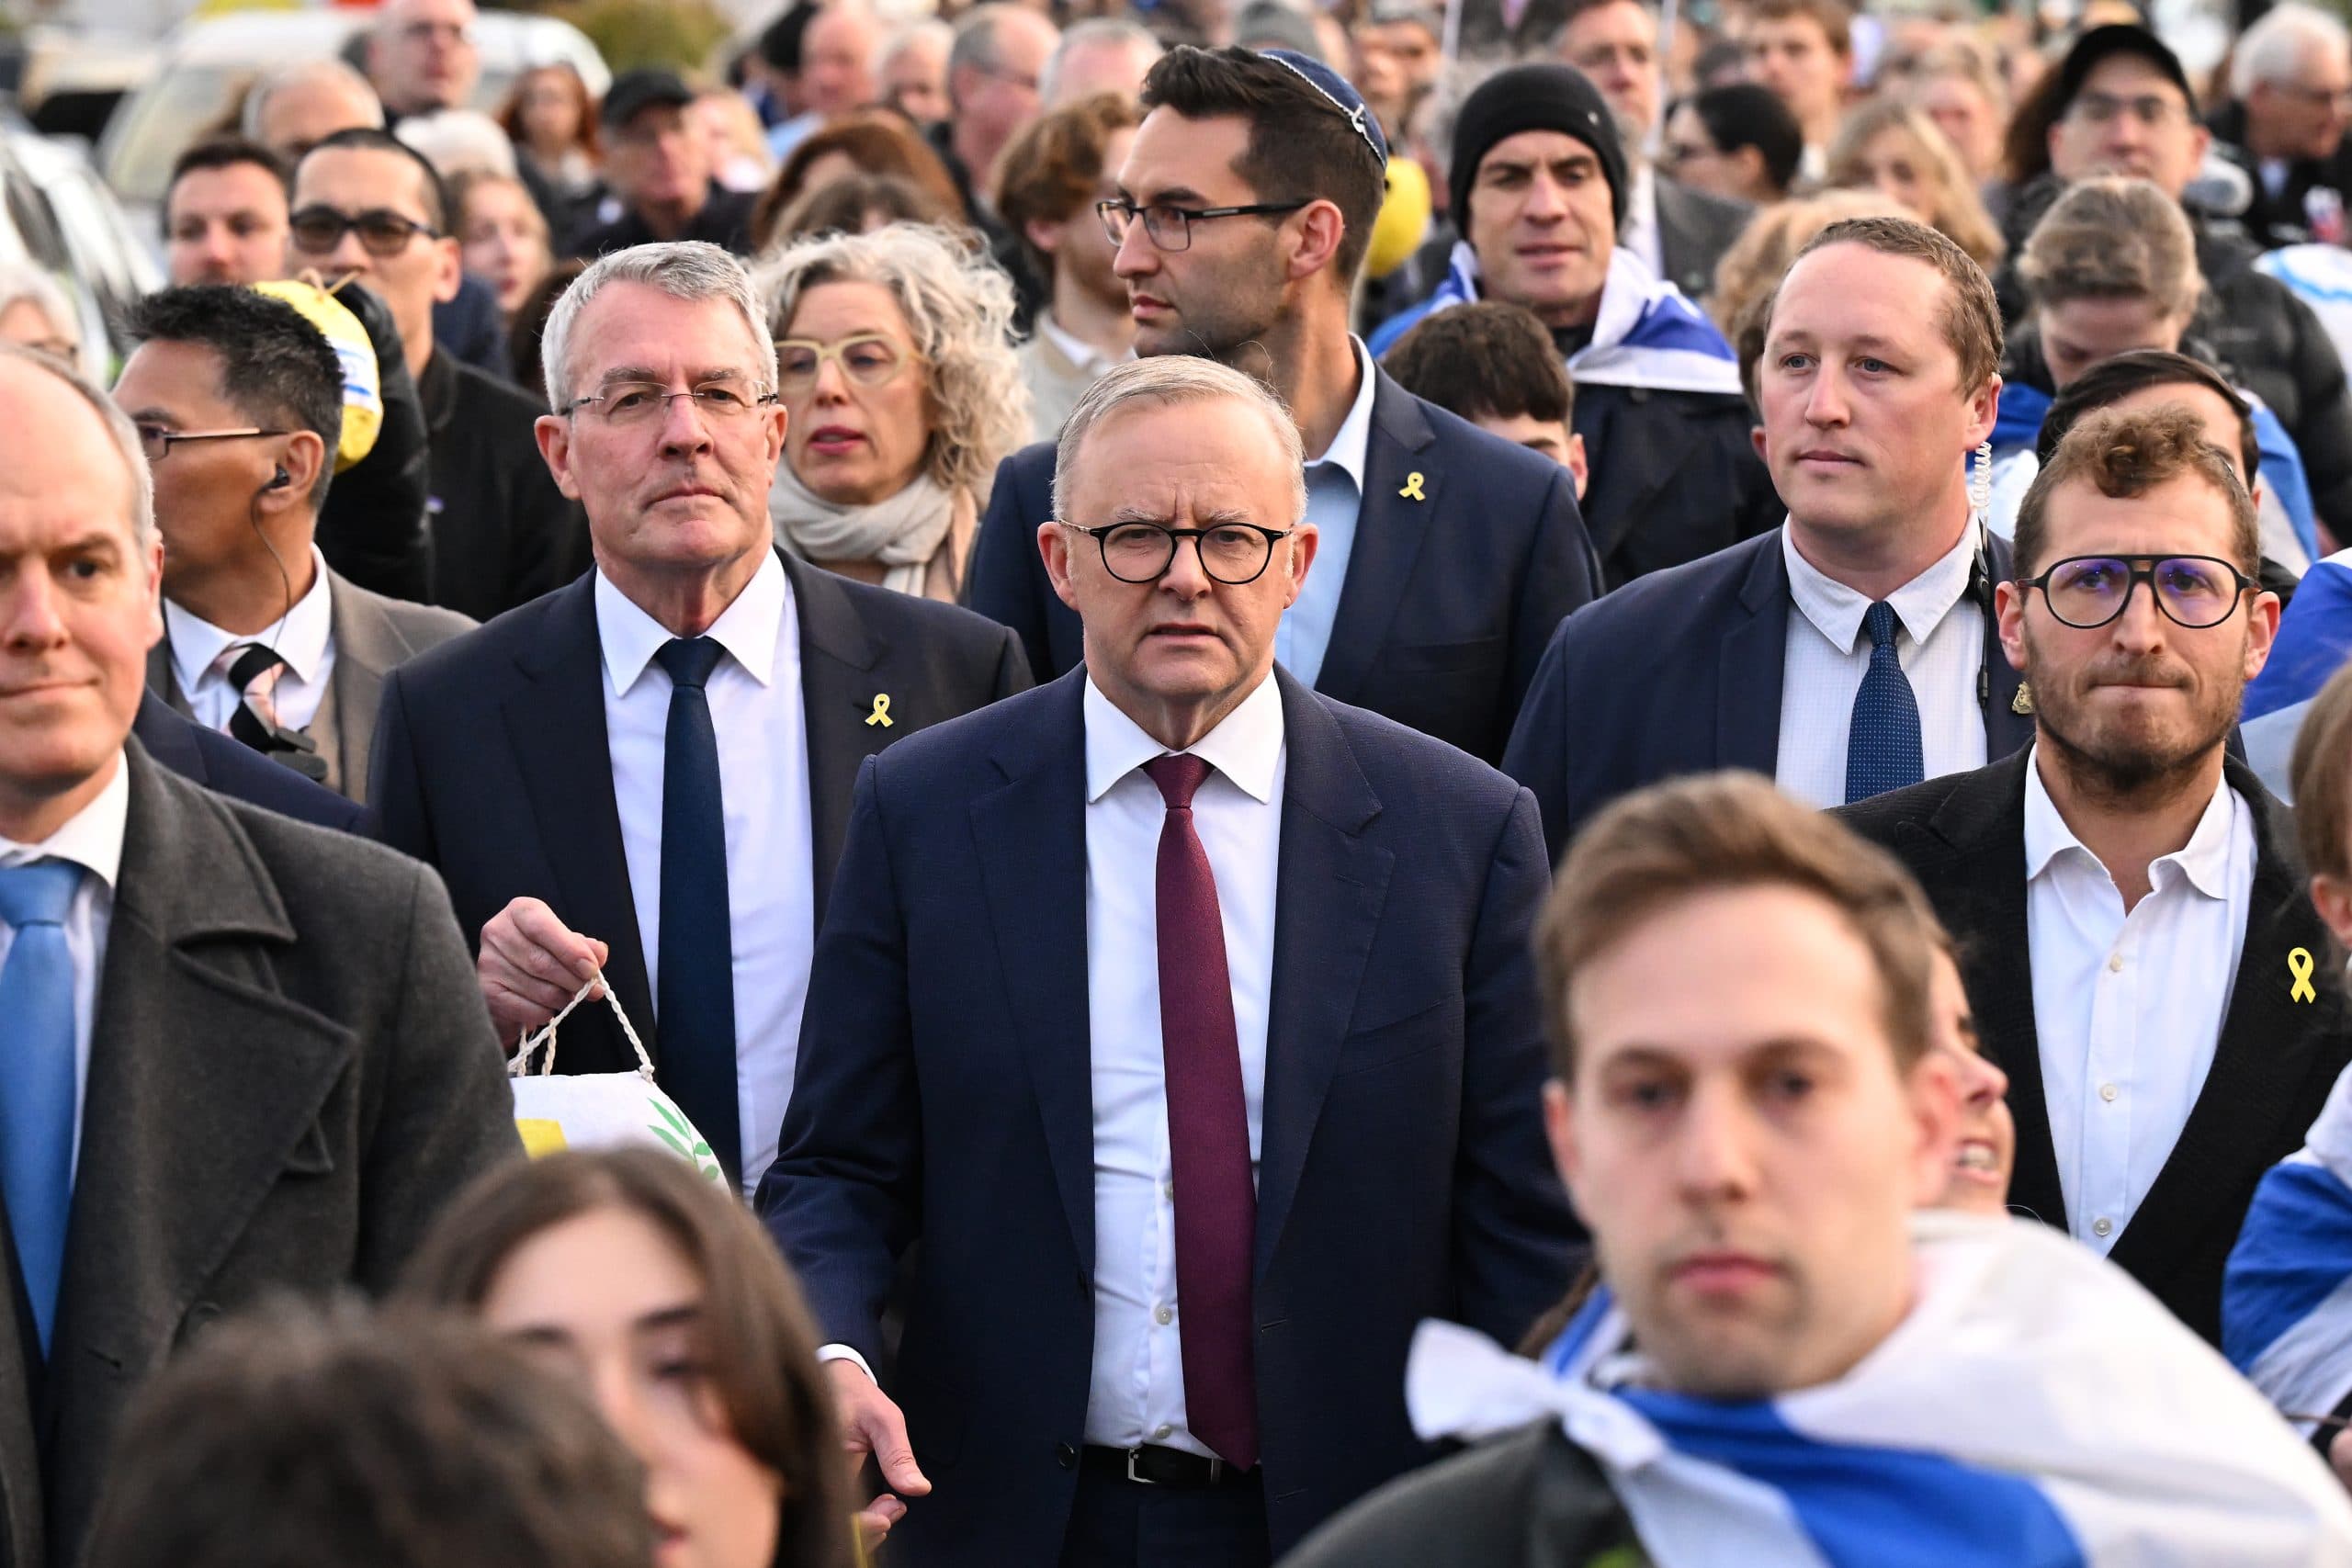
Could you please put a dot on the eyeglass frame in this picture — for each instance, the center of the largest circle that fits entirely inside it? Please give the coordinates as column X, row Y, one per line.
column 1101, row 533
column 1191, row 215
column 170, row 438
column 752, row 401
column 2143, row 569
column 908, row 355
column 351, row 225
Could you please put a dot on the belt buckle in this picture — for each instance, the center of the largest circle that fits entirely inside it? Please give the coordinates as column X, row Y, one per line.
column 1133, row 1455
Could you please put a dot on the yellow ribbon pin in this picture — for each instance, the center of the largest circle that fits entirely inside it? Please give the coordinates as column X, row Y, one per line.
column 1412, row 491
column 881, row 714
column 2299, row 964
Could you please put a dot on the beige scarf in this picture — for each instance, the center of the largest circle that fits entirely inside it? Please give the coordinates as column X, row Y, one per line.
column 903, row 532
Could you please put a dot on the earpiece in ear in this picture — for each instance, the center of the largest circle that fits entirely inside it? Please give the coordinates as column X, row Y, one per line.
column 280, row 479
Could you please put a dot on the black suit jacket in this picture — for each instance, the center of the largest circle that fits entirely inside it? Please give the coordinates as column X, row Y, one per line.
column 1963, row 837
column 291, row 1074
column 1680, row 673
column 504, row 533
column 944, row 1094
column 492, row 762
column 1448, row 601
column 212, row 759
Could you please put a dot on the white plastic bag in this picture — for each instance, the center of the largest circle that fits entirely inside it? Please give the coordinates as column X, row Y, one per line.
column 600, row 1110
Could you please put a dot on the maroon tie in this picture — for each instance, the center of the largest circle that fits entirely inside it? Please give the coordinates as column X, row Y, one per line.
column 1208, row 1131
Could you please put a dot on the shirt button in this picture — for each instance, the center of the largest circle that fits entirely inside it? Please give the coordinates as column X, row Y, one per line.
column 2101, row 1226
column 1162, row 1315
column 2115, row 963
column 2107, row 1091
column 1163, row 1430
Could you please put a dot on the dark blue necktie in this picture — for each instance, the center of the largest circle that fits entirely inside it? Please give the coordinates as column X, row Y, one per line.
column 36, row 1113
column 695, row 1007
column 1883, row 742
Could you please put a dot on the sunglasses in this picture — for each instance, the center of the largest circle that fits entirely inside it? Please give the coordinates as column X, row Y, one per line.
column 319, row 230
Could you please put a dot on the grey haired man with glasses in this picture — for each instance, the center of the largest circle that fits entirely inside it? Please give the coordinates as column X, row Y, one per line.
column 2124, row 893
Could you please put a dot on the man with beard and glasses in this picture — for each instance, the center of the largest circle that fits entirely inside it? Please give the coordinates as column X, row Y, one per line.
column 2127, row 896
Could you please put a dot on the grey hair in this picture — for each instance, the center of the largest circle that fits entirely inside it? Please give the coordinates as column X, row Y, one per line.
column 930, row 27
column 257, row 96
column 21, row 283
column 975, row 44
column 684, row 269
column 958, row 307
column 2277, row 42
column 1169, row 380
column 1091, row 31
column 118, row 427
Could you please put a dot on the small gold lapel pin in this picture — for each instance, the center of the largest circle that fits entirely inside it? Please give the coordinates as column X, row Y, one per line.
column 1412, row 491
column 2299, row 965
column 881, row 714
column 2023, row 701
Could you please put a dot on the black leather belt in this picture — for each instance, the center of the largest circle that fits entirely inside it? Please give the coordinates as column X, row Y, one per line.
column 1165, row 1467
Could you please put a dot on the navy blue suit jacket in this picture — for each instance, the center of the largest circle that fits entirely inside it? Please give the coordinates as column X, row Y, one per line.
column 945, row 1096
column 491, row 763
column 234, row 769
column 1449, row 599
column 1680, row 673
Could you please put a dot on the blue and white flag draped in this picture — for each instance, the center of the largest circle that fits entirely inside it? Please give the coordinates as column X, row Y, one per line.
column 2286, row 1296
column 2035, row 1409
column 1648, row 333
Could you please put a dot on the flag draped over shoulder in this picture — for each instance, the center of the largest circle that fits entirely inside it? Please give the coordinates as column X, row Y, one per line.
column 1648, row 335
column 2035, row 1409
column 2286, row 1296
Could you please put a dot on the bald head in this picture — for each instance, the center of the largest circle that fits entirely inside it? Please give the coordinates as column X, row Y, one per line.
column 293, row 110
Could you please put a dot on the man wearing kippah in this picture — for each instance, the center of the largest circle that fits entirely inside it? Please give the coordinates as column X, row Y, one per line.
column 1538, row 187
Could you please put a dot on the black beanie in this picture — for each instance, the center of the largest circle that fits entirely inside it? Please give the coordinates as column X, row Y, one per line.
column 1534, row 98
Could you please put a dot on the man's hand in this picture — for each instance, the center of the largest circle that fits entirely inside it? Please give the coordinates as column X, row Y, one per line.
column 871, row 1424
column 531, row 963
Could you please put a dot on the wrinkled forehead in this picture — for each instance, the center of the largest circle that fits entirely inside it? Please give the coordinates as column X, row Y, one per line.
column 629, row 327
column 1179, row 463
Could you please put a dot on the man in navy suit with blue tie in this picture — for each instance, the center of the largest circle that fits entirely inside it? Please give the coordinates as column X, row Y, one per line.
column 1854, row 650
column 1185, row 1017
column 1245, row 208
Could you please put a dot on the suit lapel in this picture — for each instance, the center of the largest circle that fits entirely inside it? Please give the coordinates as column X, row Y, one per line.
column 1390, row 529
column 205, row 1087
column 365, row 645
column 1030, row 838
column 837, row 658
column 2263, row 1057
column 564, row 753
column 164, row 681
column 1749, row 667
column 1331, row 887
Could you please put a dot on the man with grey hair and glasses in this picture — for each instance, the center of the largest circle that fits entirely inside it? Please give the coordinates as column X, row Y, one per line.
column 1185, row 1017
column 242, row 1056
column 646, row 774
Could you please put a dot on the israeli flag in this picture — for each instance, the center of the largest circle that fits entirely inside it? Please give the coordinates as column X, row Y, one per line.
column 2035, row 1409
column 2287, row 1297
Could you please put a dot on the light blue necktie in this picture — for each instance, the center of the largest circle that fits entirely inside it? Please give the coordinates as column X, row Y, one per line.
column 1883, row 749
column 37, row 1074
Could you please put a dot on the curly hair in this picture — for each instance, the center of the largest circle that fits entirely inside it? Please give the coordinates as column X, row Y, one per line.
column 958, row 307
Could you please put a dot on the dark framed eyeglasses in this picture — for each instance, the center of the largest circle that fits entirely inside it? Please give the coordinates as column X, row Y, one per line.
column 1231, row 553
column 158, row 442
column 382, row 232
column 1170, row 228
column 2194, row 591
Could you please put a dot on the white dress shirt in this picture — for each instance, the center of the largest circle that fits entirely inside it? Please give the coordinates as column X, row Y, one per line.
column 1941, row 644
column 91, row 838
column 1136, row 1395
column 755, row 708
column 1334, row 498
column 2128, row 1009
column 304, row 638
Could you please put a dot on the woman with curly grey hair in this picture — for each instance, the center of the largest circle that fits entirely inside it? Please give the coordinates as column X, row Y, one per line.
column 894, row 360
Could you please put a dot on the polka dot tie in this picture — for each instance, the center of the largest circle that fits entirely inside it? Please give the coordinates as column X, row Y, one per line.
column 1883, row 742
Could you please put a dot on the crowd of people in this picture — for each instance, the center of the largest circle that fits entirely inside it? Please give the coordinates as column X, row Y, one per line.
column 1217, row 784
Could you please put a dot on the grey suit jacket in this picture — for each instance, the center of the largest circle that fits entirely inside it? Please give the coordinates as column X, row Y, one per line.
column 1694, row 230
column 291, row 1071
column 372, row 635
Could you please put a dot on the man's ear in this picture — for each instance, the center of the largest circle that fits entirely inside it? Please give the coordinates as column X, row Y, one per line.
column 1321, row 230
column 554, row 433
column 2008, row 609
column 449, row 271
column 305, row 454
column 1047, row 237
column 1052, row 547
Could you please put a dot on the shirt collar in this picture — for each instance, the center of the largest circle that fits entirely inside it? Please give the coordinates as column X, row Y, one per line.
column 1083, row 356
column 1354, row 439
column 91, row 838
column 1245, row 748
column 299, row 637
column 2204, row 860
column 747, row 629
column 1837, row 611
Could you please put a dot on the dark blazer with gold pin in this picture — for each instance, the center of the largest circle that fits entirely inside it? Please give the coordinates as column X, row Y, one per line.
column 1963, row 837
column 1469, row 550
column 492, row 762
